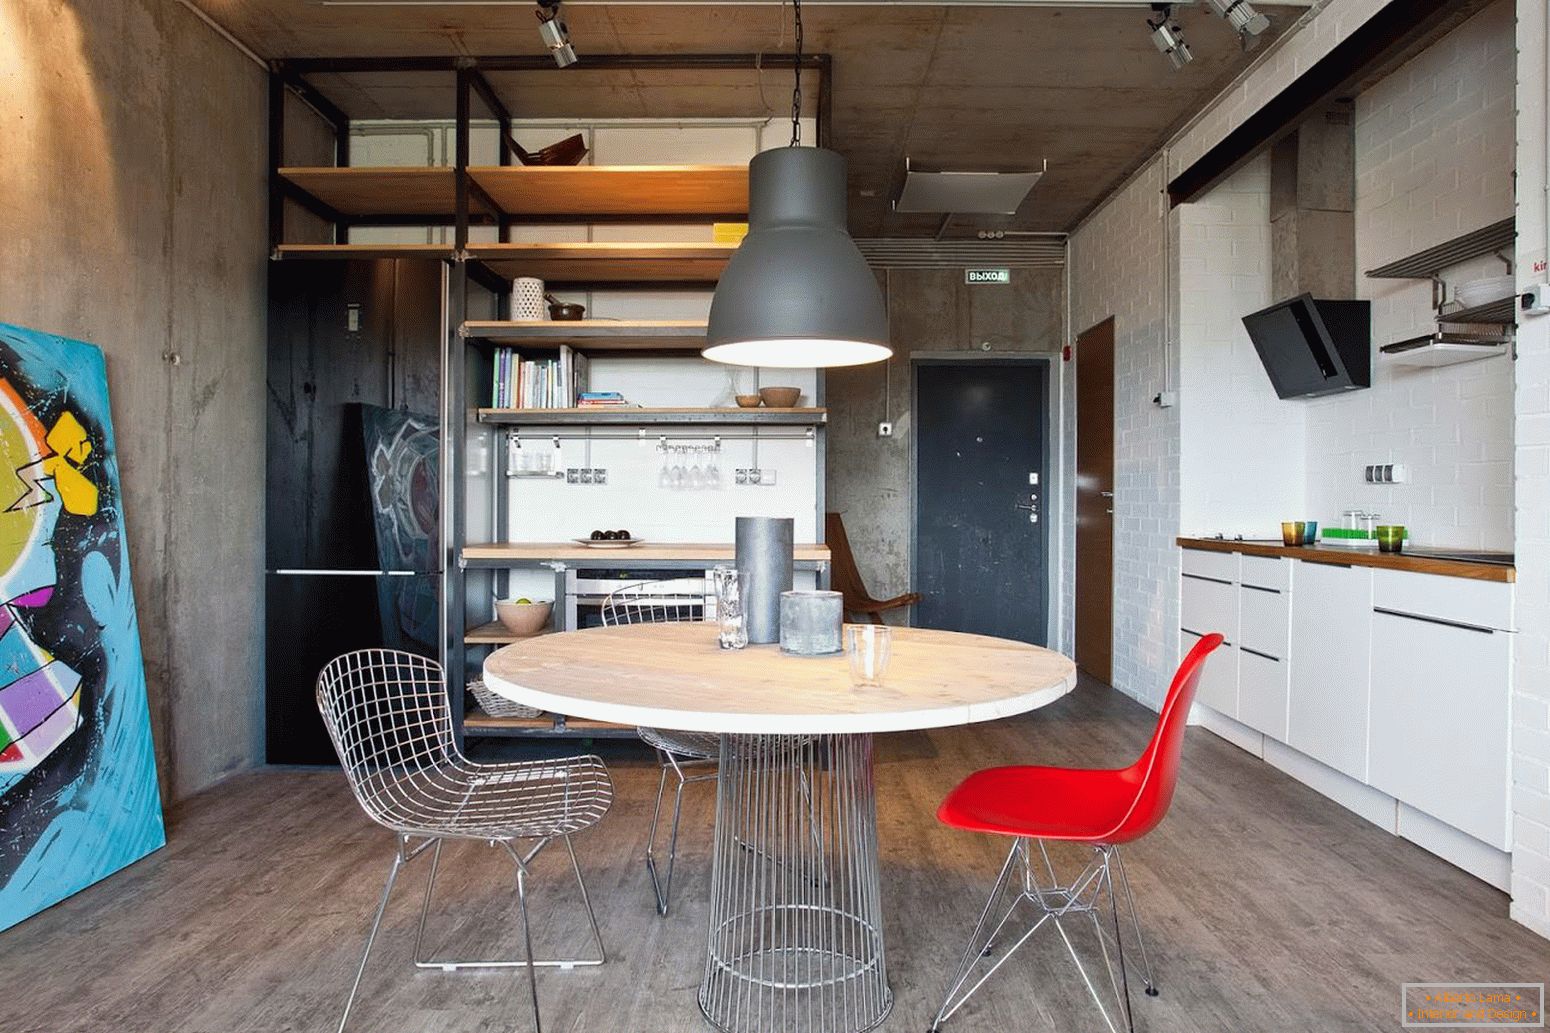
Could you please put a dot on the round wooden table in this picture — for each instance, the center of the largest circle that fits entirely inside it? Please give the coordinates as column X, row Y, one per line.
column 796, row 938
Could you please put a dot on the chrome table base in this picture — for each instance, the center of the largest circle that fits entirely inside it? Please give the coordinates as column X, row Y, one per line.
column 796, row 935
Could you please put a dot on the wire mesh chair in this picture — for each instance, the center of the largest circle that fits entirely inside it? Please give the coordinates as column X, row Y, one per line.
column 685, row 754
column 388, row 716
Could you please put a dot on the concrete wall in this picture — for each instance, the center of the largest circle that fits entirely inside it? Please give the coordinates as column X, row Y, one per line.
column 133, row 217
column 1531, row 652
column 929, row 311
column 1123, row 264
column 1434, row 158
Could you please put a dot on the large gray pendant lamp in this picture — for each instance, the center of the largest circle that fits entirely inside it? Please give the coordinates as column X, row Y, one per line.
column 797, row 292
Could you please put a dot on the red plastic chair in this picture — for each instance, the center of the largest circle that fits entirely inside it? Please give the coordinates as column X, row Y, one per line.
column 1104, row 808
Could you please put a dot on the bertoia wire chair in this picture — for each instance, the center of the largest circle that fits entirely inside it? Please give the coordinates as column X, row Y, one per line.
column 388, row 716
column 1102, row 808
column 687, row 755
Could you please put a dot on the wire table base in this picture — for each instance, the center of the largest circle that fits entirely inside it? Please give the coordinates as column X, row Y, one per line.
column 796, row 933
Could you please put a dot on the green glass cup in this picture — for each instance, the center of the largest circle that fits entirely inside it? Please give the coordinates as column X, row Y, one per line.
column 1391, row 537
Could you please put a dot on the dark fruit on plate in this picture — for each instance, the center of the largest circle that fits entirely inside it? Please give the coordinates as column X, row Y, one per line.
column 598, row 536
column 623, row 536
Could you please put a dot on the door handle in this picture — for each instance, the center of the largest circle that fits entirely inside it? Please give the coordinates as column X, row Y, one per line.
column 1029, row 506
column 1106, row 494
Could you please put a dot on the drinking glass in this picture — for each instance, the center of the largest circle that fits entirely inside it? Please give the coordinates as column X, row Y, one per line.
column 1391, row 537
column 868, row 647
column 731, row 587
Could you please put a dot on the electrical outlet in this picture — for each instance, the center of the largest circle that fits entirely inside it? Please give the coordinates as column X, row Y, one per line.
column 572, row 475
column 885, row 429
column 742, row 476
column 586, row 475
column 765, row 478
column 599, row 476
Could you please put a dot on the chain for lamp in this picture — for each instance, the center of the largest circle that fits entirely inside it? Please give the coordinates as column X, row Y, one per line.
column 796, row 90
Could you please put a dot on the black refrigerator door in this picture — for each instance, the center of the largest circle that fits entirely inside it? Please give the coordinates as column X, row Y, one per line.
column 314, row 617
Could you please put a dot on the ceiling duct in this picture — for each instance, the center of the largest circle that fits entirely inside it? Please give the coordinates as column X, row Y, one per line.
column 1047, row 251
column 965, row 193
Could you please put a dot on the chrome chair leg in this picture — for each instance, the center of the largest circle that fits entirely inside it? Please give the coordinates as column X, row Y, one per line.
column 1119, row 943
column 660, row 885
column 522, row 862
column 371, row 937
column 1135, row 919
column 527, row 940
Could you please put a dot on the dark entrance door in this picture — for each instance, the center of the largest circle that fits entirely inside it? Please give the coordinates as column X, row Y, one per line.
column 981, row 553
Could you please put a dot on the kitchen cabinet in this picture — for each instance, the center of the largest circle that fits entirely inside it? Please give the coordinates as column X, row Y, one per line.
column 1209, row 603
column 1331, row 631
column 1440, row 708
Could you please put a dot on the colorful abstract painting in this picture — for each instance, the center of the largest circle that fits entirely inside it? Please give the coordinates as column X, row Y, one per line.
column 78, row 793
column 403, row 458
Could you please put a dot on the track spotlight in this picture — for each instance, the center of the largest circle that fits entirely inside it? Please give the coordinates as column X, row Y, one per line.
column 552, row 30
column 1168, row 38
column 1240, row 14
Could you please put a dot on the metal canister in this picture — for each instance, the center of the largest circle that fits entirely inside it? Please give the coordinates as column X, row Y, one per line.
column 766, row 553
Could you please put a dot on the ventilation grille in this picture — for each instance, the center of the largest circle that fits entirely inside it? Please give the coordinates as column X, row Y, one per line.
column 918, row 253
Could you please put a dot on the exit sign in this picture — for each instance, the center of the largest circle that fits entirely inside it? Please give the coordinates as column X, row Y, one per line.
column 987, row 276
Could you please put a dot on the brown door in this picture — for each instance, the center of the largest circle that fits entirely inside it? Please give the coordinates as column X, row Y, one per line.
column 1095, row 500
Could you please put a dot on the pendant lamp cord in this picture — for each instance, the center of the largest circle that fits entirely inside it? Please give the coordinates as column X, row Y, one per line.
column 796, row 91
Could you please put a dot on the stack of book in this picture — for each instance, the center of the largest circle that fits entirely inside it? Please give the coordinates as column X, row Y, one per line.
column 556, row 383
column 600, row 399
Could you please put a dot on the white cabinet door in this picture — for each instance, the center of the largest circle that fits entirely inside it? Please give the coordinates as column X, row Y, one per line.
column 1330, row 665
column 1262, row 688
column 1218, row 688
column 1440, row 721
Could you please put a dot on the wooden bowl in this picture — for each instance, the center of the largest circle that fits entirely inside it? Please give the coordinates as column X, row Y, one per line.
column 780, row 397
column 566, row 311
column 523, row 619
column 747, row 401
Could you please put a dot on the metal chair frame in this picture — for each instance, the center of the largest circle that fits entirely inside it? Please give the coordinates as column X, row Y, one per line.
column 388, row 716
column 1055, row 902
column 678, row 752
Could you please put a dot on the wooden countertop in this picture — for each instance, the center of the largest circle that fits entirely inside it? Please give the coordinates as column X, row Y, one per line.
column 634, row 555
column 1356, row 557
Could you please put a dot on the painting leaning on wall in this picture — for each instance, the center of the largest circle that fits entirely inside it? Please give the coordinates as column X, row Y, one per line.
column 78, row 793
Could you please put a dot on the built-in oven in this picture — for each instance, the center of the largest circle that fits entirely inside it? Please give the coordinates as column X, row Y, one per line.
column 588, row 588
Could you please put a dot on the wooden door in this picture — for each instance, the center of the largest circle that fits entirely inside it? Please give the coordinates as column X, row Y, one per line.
column 1095, row 500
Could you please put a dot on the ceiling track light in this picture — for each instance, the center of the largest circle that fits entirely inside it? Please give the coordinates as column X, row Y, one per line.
column 1240, row 14
column 1168, row 37
column 552, row 30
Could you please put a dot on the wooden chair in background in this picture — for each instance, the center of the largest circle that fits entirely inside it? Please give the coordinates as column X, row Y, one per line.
column 846, row 577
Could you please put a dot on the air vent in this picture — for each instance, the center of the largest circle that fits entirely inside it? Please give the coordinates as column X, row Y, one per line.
column 1044, row 252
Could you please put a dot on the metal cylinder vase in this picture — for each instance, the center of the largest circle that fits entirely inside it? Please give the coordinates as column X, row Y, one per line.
column 766, row 554
column 810, row 623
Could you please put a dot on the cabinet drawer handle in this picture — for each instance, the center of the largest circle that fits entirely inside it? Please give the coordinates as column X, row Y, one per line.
column 1261, row 588
column 1262, row 656
column 1202, row 577
column 1434, row 620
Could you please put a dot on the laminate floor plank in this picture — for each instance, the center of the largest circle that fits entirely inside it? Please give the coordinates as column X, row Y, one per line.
column 1266, row 907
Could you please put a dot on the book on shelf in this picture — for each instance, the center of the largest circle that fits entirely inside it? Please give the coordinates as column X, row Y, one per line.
column 549, row 383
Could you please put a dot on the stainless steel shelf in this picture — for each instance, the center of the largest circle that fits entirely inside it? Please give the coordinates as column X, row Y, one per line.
column 1423, row 265
column 1500, row 313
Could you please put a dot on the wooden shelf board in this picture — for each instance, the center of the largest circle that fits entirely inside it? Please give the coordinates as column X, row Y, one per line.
column 601, row 192
column 435, row 251
column 682, row 335
column 361, row 191
column 606, row 262
column 1357, row 557
column 632, row 416
column 496, row 634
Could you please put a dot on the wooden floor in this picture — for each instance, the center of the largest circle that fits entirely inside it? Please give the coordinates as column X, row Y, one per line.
column 1267, row 907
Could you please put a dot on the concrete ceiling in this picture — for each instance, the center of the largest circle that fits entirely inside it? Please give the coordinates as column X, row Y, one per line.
column 951, row 87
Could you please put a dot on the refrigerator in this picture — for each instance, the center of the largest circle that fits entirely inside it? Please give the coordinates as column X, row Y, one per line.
column 353, row 557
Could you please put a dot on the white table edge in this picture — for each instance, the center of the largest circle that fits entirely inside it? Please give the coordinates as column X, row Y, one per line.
column 743, row 723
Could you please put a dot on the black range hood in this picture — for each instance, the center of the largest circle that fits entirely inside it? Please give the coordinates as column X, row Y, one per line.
column 1313, row 346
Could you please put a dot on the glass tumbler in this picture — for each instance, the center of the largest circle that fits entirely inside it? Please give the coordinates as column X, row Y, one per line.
column 1391, row 537
column 868, row 647
column 731, row 587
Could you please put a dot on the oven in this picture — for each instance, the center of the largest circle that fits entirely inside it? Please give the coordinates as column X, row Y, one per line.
column 587, row 588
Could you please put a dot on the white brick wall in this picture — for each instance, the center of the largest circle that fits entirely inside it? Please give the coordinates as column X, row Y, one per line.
column 1531, row 698
column 1434, row 158
column 1242, row 450
column 1118, row 268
